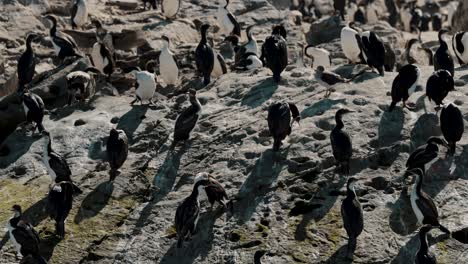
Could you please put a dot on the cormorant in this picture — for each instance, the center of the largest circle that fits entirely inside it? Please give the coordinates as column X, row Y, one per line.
column 64, row 45
column 187, row 120
column 275, row 52
column 117, row 151
column 439, row 84
column 280, row 123
column 452, row 126
column 425, row 153
column 27, row 63
column 404, row 84
column 353, row 219
column 442, row 58
column 205, row 56
column 341, row 142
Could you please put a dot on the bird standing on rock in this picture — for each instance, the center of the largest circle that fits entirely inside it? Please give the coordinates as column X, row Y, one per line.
column 404, row 85
column 442, row 58
column 328, row 78
column 145, row 84
column 439, row 84
column 187, row 213
column 59, row 204
column 64, row 45
column 351, row 44
column 280, row 123
column 353, row 218
column 79, row 13
column 374, row 51
column 205, row 56
column 168, row 67
column 212, row 188
column 424, row 256
column 187, row 120
column 117, row 151
column 81, row 84
column 275, row 52
column 33, row 109
column 228, row 21
column 452, row 126
column 425, row 153
column 341, row 142
column 27, row 63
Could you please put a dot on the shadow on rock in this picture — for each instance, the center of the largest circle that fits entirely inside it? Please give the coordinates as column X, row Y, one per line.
column 130, row 121
column 425, row 127
column 320, row 107
column 402, row 219
column 339, row 257
column 95, row 201
column 20, row 144
column 390, row 127
column 258, row 183
column 260, row 93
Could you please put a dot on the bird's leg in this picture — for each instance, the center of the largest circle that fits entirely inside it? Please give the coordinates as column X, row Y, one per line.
column 134, row 101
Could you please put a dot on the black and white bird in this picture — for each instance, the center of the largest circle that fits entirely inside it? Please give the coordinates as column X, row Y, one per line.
column 390, row 58
column 339, row 6
column 103, row 36
column 59, row 204
column 249, row 61
column 145, row 84
column 79, row 13
column 442, row 58
column 251, row 45
column 187, row 214
column 219, row 66
column 353, row 219
column 56, row 165
column 227, row 21
column 328, row 79
column 117, row 151
column 205, row 56
column 374, row 51
column 439, row 84
column 213, row 190
column 280, row 121
column 33, row 107
column 422, row 204
column 404, row 85
column 168, row 67
column 64, row 45
column 407, row 56
column 103, row 59
column 424, row 256
column 24, row 237
column 81, row 84
column 452, row 126
column 351, row 44
column 437, row 21
column 152, row 4
column 341, row 144
column 27, row 63
column 275, row 52
column 187, row 120
column 460, row 46
column 320, row 56
column 425, row 153
column 170, row 8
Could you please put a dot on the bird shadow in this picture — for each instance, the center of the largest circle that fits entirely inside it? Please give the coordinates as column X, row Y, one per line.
column 130, row 121
column 20, row 144
column 402, row 219
column 409, row 250
column 95, row 201
column 199, row 245
column 390, row 127
column 260, row 93
column 66, row 111
column 320, row 107
column 425, row 127
column 258, row 183
column 339, row 257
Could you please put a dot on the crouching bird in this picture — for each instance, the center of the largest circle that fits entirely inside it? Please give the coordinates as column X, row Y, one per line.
column 280, row 122
column 117, row 151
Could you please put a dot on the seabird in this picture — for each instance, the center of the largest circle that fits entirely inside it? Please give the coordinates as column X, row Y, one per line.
column 407, row 54
column 212, row 188
column 404, row 85
column 442, row 58
column 59, row 204
column 117, row 151
column 187, row 120
column 249, row 61
column 425, row 153
column 320, row 56
column 153, row 4
column 422, row 204
column 168, row 67
column 437, row 22
column 351, row 44
column 459, row 42
column 275, row 52
column 27, row 63
column 439, row 84
column 390, row 58
column 145, row 84
column 251, row 45
column 359, row 16
column 79, row 13
column 339, row 6
column 56, row 165
column 104, row 37
column 424, row 256
column 170, row 8
column 64, row 45
column 341, row 142
column 353, row 219
column 24, row 237
column 33, row 109
column 205, row 56
column 374, row 51
column 328, row 78
column 228, row 21
column 452, row 126
column 426, row 19
column 280, row 122
column 186, row 216
column 81, row 84
column 219, row 67
column 103, row 59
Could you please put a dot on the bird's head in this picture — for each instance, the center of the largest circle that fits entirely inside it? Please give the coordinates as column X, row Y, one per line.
column 438, row 141
column 202, row 176
column 204, row 28
column 97, row 23
column 425, row 229
column 351, row 182
column 343, row 111
column 320, row 69
column 279, row 30
column 165, row 39
column 114, row 133
column 51, row 19
column 16, row 209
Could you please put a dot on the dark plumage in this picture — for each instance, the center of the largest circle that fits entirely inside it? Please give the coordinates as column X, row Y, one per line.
column 33, row 109
column 374, row 51
column 280, row 123
column 27, row 63
column 64, row 45
column 353, row 220
column 425, row 153
column 439, row 84
column 213, row 189
column 390, row 58
column 404, row 85
column 452, row 126
column 341, row 142
column 424, row 256
column 117, row 150
column 275, row 52
column 186, row 216
column 60, row 202
column 437, row 22
column 23, row 235
column 187, row 120
column 422, row 204
column 339, row 6
column 458, row 46
column 204, row 56
column 153, row 4
column 442, row 58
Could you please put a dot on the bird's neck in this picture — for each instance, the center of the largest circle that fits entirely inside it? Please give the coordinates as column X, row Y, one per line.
column 339, row 123
column 350, row 191
column 15, row 220
column 53, row 29
column 423, row 240
column 48, row 146
column 442, row 42
column 194, row 101
column 203, row 37
column 28, row 45
column 418, row 184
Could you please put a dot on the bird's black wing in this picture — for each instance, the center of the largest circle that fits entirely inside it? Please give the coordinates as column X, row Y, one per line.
column 26, row 237
column 60, row 167
column 428, row 208
column 73, row 11
column 341, row 145
column 216, row 189
column 187, row 119
column 331, row 78
column 237, row 28
column 414, row 158
column 353, row 220
column 222, row 63
column 26, row 66
column 33, row 102
column 186, row 215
